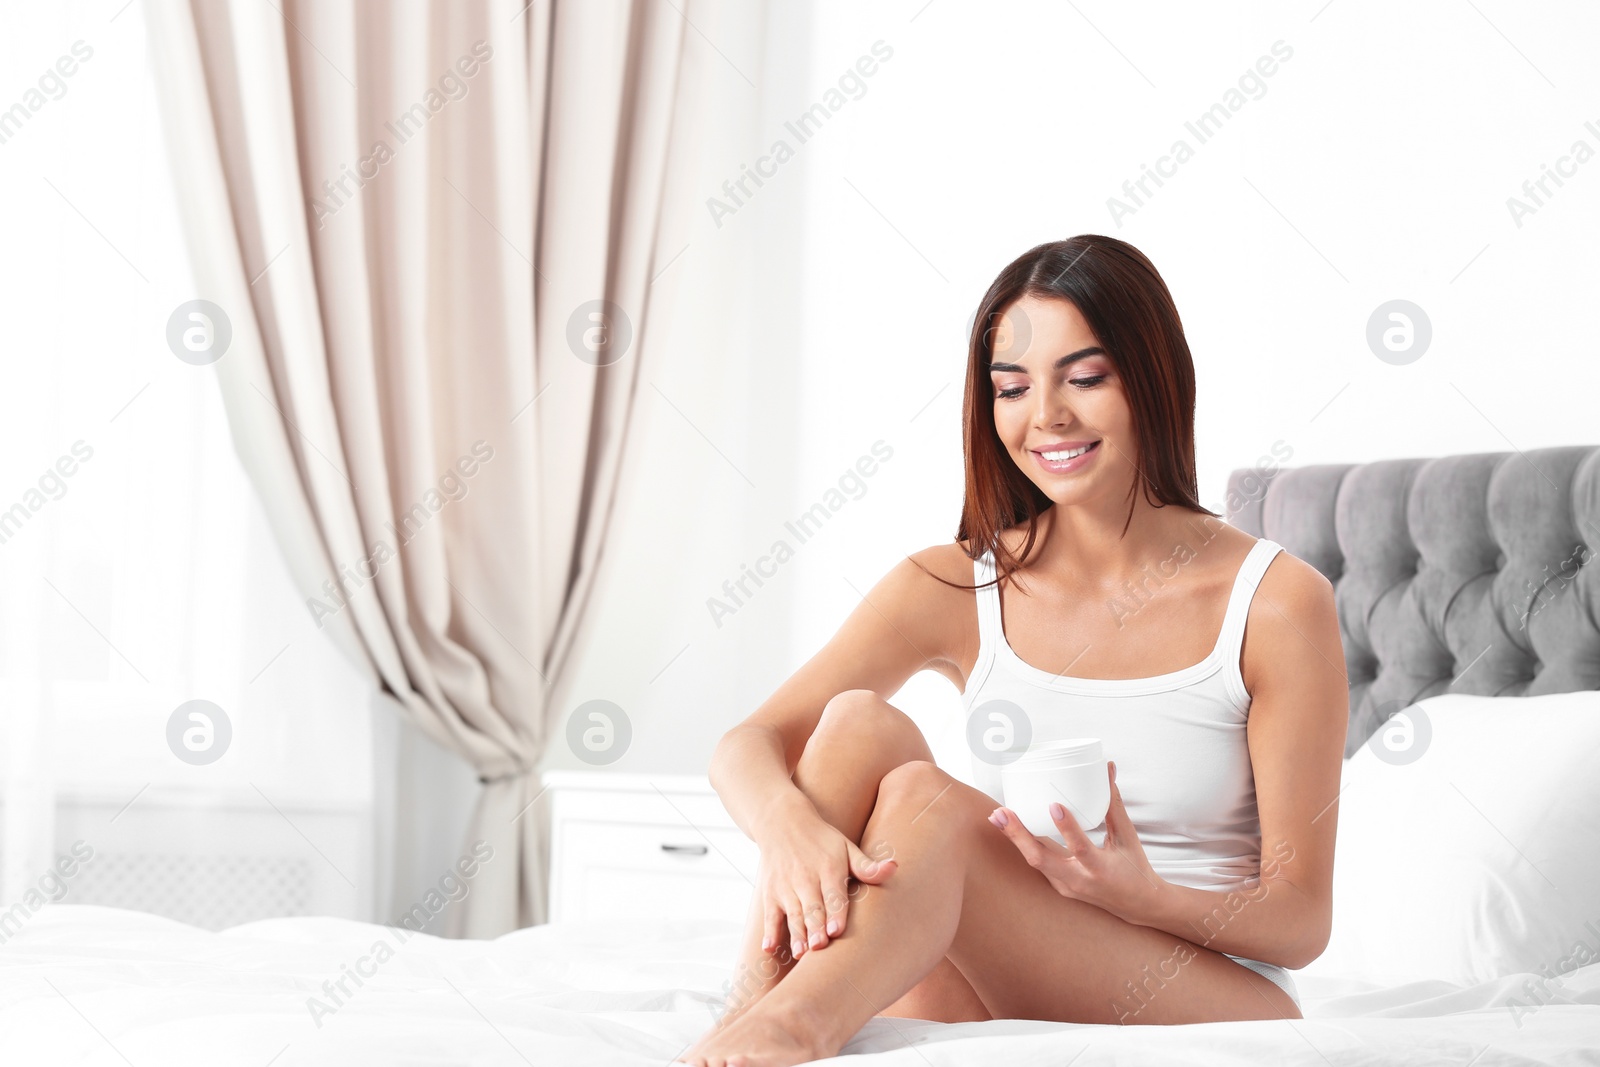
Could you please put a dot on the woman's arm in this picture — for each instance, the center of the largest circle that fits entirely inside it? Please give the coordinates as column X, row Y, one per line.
column 1294, row 670
column 902, row 625
column 907, row 622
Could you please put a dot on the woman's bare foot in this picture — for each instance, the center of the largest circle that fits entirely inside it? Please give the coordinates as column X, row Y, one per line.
column 758, row 1038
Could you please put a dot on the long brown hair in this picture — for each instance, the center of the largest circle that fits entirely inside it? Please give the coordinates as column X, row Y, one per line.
column 1127, row 306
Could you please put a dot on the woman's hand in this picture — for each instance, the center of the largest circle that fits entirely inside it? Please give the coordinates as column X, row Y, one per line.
column 1115, row 876
column 804, row 886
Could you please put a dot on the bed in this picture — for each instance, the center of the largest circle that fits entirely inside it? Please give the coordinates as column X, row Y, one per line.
column 90, row 985
column 1467, row 911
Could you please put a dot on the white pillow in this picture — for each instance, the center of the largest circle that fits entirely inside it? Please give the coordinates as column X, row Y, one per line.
column 1480, row 857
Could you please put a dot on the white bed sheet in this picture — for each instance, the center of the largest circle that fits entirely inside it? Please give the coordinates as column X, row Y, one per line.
column 91, row 985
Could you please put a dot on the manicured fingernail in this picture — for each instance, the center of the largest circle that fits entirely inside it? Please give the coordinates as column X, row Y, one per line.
column 833, row 928
column 1057, row 811
column 998, row 817
column 766, row 944
column 795, row 947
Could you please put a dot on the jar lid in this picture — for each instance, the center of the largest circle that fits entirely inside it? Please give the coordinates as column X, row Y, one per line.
column 1085, row 749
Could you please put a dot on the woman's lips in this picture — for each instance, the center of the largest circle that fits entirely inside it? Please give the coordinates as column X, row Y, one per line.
column 1070, row 466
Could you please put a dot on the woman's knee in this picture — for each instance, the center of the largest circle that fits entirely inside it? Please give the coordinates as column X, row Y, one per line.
column 919, row 792
column 916, row 786
column 924, row 816
column 860, row 722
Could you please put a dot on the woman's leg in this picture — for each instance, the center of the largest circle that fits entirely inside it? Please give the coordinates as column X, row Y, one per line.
column 963, row 891
column 860, row 738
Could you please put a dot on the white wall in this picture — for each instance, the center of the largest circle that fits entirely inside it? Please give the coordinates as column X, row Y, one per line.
column 1376, row 165
column 714, row 465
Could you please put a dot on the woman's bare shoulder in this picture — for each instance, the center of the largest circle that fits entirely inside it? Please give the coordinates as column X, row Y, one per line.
column 928, row 598
column 954, row 561
column 949, row 560
column 1295, row 608
column 942, row 597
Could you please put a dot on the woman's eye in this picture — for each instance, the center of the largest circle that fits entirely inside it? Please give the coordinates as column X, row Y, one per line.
column 1081, row 383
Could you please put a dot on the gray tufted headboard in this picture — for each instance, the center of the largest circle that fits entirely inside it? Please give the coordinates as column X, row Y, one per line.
column 1460, row 573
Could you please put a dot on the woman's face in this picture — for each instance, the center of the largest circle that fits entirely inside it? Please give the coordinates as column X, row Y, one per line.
column 1055, row 391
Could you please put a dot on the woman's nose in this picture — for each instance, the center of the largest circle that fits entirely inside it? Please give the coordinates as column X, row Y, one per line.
column 1049, row 405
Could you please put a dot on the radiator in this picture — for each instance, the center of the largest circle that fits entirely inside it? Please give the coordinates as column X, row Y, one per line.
column 216, row 859
column 209, row 891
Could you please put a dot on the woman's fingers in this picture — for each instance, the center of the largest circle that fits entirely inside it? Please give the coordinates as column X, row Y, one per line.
column 1118, row 825
column 810, row 894
column 797, row 927
column 837, row 898
column 1026, row 842
column 870, row 870
column 1078, row 842
column 836, row 889
column 816, row 918
column 772, row 926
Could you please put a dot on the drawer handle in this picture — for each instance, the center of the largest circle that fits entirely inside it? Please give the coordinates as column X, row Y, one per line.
column 689, row 850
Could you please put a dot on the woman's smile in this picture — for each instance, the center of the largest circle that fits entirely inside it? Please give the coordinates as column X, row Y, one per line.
column 1065, row 461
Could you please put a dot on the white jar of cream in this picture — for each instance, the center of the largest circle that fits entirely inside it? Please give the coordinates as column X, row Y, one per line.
column 1071, row 772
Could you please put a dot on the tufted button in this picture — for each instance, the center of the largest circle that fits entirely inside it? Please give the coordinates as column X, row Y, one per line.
column 1500, row 562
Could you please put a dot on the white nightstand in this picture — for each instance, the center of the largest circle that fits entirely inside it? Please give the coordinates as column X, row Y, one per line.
column 645, row 845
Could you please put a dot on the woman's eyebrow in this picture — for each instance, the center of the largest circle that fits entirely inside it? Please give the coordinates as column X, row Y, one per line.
column 1082, row 353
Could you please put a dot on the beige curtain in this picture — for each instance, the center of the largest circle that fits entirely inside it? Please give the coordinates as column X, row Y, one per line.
column 431, row 228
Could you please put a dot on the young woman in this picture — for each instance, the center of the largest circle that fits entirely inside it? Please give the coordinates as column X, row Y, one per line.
column 1209, row 663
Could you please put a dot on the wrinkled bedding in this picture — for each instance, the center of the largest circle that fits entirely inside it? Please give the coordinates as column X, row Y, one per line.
column 93, row 985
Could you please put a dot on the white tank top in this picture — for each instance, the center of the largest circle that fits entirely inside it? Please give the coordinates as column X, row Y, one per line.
column 1178, row 739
